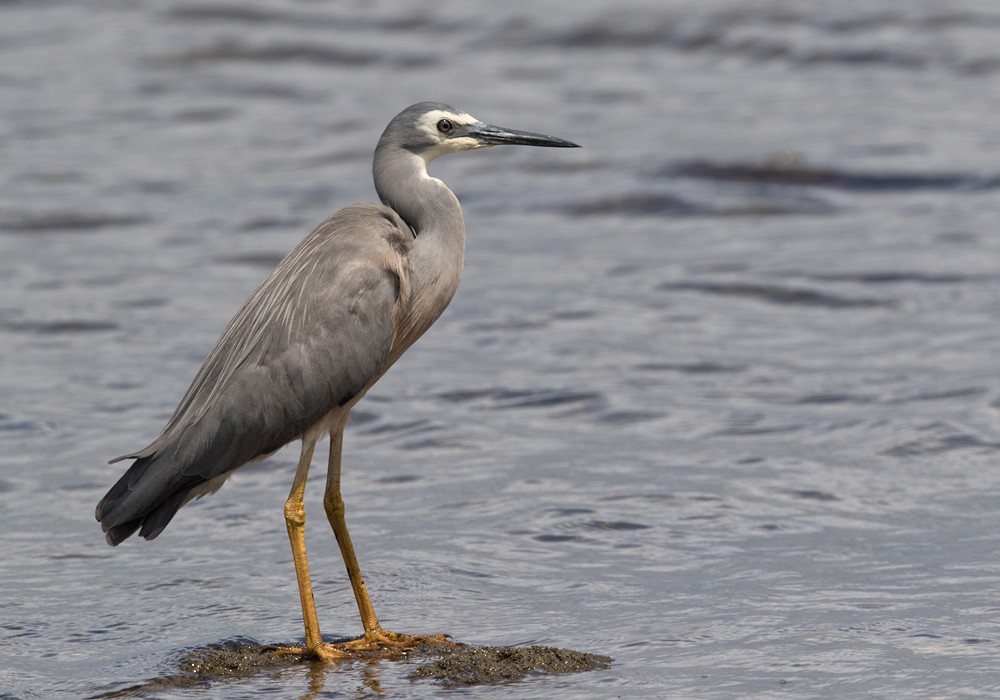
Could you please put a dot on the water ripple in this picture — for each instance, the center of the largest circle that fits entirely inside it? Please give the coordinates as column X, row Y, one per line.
column 59, row 327
column 776, row 294
column 785, row 170
column 880, row 277
column 320, row 54
column 503, row 399
column 68, row 221
column 655, row 204
column 799, row 39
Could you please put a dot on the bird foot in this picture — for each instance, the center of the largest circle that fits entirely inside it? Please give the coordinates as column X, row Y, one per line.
column 376, row 644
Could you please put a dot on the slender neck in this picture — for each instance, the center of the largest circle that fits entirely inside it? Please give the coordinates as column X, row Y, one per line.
column 435, row 259
column 423, row 202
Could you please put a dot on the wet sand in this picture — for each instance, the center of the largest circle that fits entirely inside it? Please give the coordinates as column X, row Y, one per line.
column 452, row 665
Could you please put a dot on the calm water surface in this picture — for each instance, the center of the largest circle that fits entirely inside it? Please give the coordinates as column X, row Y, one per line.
column 718, row 395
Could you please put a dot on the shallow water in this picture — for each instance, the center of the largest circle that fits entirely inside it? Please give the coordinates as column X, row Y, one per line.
column 717, row 396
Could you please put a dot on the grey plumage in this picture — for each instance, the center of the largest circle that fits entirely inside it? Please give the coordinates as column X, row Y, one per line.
column 320, row 330
column 289, row 356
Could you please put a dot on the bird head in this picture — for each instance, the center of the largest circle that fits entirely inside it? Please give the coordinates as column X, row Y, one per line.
column 432, row 129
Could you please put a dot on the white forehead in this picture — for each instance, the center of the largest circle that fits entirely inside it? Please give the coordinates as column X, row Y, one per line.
column 429, row 121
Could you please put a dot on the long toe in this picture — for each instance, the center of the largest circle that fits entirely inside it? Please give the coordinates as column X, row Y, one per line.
column 380, row 644
column 376, row 644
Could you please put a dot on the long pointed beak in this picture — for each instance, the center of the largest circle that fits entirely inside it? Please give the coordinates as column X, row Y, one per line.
column 490, row 135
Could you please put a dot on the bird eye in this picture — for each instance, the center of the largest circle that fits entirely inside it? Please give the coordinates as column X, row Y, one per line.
column 445, row 125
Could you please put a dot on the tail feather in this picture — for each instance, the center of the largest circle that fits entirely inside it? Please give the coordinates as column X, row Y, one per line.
column 160, row 517
column 187, row 463
column 119, row 533
column 143, row 498
column 113, row 499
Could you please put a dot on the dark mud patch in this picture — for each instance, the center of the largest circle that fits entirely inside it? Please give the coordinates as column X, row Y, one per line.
column 452, row 665
column 214, row 663
column 490, row 665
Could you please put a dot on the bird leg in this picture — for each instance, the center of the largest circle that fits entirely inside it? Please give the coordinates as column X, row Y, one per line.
column 295, row 519
column 333, row 503
column 376, row 640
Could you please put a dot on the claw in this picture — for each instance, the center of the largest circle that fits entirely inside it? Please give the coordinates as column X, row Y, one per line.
column 375, row 644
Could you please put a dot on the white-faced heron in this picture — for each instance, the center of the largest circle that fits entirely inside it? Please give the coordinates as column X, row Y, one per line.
column 320, row 330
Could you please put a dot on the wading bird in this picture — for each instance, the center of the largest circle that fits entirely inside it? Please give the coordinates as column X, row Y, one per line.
column 320, row 330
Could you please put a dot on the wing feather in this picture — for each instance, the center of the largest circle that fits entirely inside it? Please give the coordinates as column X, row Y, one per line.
column 315, row 334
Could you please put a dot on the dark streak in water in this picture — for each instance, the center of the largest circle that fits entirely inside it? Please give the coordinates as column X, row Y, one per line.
column 226, row 14
column 360, row 416
column 398, row 479
column 276, row 52
column 615, row 525
column 661, row 204
column 420, row 425
column 518, row 323
column 76, row 556
column 147, row 303
column 857, row 399
column 558, row 538
column 569, row 512
column 59, row 327
column 53, row 177
column 750, row 430
column 24, row 425
column 574, row 315
column 270, row 222
column 629, row 417
column 960, row 393
column 656, row 498
column 444, row 443
column 651, row 204
column 774, row 294
column 813, row 495
column 69, row 221
column 508, row 398
column 892, row 277
column 264, row 260
column 205, row 114
column 511, row 324
column 545, row 400
column 941, row 443
column 778, row 172
column 689, row 368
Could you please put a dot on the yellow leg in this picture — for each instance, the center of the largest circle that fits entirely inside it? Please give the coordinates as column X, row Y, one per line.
column 295, row 519
column 333, row 502
column 375, row 640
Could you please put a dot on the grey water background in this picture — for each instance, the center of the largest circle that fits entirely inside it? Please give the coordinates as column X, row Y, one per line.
column 718, row 395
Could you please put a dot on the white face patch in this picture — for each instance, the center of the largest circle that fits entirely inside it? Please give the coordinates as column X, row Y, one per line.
column 428, row 124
